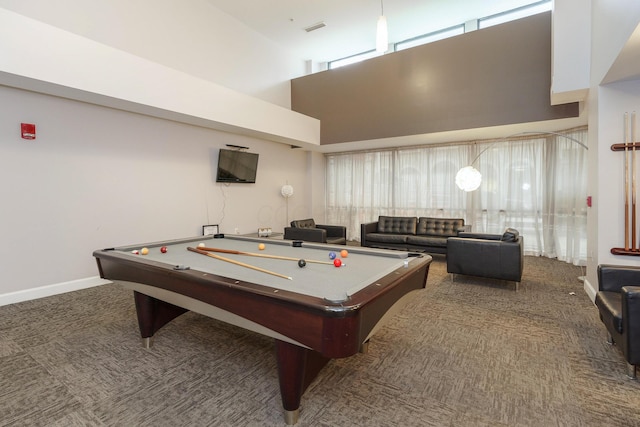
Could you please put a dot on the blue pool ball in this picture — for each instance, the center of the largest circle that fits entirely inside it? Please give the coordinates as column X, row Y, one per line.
column 332, row 255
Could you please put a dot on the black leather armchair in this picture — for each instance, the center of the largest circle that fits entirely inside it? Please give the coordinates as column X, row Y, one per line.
column 618, row 301
column 307, row 230
column 495, row 256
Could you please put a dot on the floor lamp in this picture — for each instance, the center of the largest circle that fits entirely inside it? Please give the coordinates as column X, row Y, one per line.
column 287, row 191
column 469, row 178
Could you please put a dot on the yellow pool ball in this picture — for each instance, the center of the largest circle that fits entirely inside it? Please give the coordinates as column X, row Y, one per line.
column 261, row 246
column 344, row 253
column 144, row 251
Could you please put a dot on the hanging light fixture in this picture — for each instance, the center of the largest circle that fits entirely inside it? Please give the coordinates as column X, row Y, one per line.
column 382, row 33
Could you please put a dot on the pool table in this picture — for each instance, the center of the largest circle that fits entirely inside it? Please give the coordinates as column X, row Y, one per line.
column 314, row 313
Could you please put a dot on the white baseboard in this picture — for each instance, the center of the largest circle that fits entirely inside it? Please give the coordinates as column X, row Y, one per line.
column 49, row 290
column 590, row 290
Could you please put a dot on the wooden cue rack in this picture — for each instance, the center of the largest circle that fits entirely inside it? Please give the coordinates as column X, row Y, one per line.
column 629, row 148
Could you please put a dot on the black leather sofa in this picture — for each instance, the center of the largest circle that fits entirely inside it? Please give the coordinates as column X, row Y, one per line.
column 494, row 256
column 618, row 302
column 422, row 234
column 308, row 231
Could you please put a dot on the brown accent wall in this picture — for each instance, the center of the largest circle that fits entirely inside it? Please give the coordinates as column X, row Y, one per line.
column 495, row 76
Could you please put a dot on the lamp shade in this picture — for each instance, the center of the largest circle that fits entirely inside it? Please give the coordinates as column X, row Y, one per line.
column 286, row 191
column 468, row 178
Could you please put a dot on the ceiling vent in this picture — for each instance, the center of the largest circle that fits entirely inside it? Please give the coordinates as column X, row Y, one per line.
column 315, row 27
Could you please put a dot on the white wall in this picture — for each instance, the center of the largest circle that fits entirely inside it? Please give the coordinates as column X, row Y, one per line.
column 96, row 177
column 192, row 36
column 612, row 25
column 40, row 57
column 571, row 50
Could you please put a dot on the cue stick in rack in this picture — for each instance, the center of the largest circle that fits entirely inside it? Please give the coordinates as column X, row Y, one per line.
column 241, row 264
column 286, row 258
column 626, row 181
column 633, row 181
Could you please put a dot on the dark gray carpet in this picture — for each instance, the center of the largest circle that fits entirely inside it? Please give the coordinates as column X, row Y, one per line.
column 468, row 353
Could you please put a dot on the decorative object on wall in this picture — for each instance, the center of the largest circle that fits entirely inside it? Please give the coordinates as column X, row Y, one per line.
column 629, row 147
column 287, row 191
column 469, row 178
column 382, row 33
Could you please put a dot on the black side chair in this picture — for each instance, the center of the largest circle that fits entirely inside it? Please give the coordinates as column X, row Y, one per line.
column 618, row 301
column 494, row 256
column 307, row 230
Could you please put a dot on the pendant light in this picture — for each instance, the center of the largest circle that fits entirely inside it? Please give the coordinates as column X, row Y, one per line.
column 382, row 34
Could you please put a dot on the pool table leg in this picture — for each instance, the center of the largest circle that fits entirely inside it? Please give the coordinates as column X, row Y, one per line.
column 364, row 348
column 297, row 367
column 153, row 314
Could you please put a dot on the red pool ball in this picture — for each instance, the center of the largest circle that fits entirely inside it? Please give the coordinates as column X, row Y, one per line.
column 163, row 249
column 337, row 262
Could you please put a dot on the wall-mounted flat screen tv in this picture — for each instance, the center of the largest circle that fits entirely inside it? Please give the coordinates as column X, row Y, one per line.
column 237, row 166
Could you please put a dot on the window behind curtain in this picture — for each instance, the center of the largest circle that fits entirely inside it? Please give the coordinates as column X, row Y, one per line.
column 535, row 184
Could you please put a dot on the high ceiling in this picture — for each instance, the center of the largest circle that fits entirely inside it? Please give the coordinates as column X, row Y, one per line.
column 351, row 24
column 350, row 29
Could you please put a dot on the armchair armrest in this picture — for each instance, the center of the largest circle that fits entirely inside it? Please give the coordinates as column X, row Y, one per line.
column 612, row 278
column 334, row 230
column 464, row 229
column 369, row 227
column 631, row 323
column 305, row 234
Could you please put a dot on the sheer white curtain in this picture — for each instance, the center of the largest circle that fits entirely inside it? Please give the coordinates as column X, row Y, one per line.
column 511, row 194
column 535, row 184
column 359, row 187
column 423, row 185
column 565, row 201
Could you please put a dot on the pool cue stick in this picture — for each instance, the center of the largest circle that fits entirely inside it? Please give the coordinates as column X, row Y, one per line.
column 633, row 181
column 626, row 181
column 286, row 258
column 241, row 264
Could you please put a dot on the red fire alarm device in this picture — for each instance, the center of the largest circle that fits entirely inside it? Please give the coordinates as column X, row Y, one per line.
column 28, row 130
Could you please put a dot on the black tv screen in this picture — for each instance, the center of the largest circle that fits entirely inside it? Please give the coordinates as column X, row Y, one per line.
column 237, row 166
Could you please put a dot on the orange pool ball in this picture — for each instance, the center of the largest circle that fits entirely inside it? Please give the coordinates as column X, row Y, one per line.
column 261, row 246
column 344, row 253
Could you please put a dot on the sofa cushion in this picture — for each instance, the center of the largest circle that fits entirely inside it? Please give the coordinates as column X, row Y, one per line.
column 445, row 227
column 387, row 238
column 510, row 235
column 431, row 241
column 397, row 224
column 304, row 223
